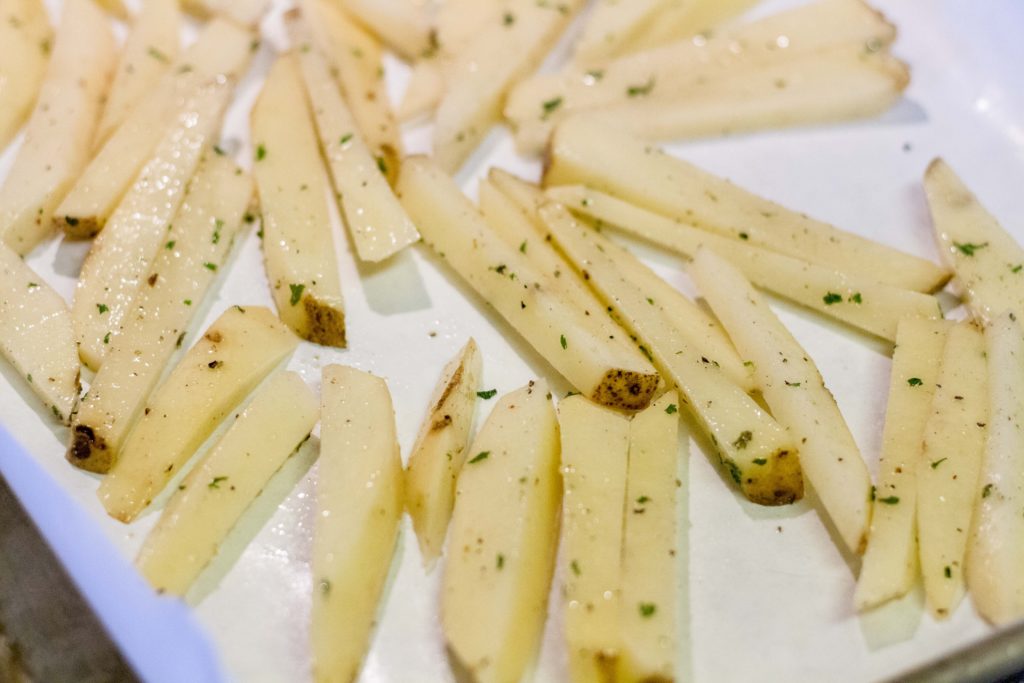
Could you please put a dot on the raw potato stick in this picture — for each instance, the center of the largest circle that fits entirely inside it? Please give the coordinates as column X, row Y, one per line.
column 649, row 555
column 160, row 315
column 237, row 352
column 402, row 24
column 120, row 258
column 987, row 260
column 853, row 299
column 482, row 75
column 376, row 220
column 115, row 8
column 221, row 486
column 59, row 133
column 890, row 562
column 996, row 545
column 790, row 37
column 359, row 506
column 690, row 19
column 298, row 245
column 796, row 394
column 152, row 45
column 440, row 449
column 954, row 437
column 632, row 170
column 503, row 538
column 36, row 335
column 244, row 12
column 609, row 371
column 356, row 58
column 595, row 454
column 611, row 25
column 25, row 38
column 758, row 453
column 222, row 51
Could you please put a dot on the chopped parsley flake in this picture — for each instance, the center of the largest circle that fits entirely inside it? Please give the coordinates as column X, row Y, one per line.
column 170, row 245
column 102, row 308
column 345, row 138
column 575, row 567
column 760, row 461
column 565, row 344
column 106, row 338
column 856, row 298
column 215, row 482
column 743, row 439
column 948, row 571
column 915, row 381
column 987, row 491
column 482, row 455
column 522, row 247
column 548, row 106
column 938, row 462
column 647, row 609
column 671, row 409
column 639, row 90
column 261, row 152
column 890, row 500
column 832, row 298
column 500, row 561
column 210, row 266
column 157, row 54
column 967, row 248
column 508, row 19
column 296, row 293
column 382, row 165
column 490, row 393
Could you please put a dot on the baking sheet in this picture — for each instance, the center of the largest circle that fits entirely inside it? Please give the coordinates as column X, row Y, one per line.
column 767, row 595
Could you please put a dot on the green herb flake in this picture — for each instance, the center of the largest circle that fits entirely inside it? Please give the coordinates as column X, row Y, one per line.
column 345, row 138
column 743, row 439
column 102, row 308
column 485, row 395
column 522, row 247
column 382, row 165
column 647, row 609
column 647, row 352
column 210, row 266
column 170, row 245
column 261, row 152
column 33, row 285
column 915, row 382
column 219, row 151
column 643, row 499
column 948, row 571
column 672, row 409
column 987, row 491
column 575, row 567
column 935, row 464
column 564, row 343
column 70, row 220
column 215, row 482
column 508, row 19
column 856, row 298
column 874, row 492
column 549, row 106
column 1017, row 268
column 157, row 54
column 296, row 293
column 218, row 224
column 792, row 384
column 499, row 562
column 967, row 248
column 187, row 302
column 640, row 90
column 106, row 338
column 744, row 236
column 760, row 461
column 832, row 298
column 482, row 455
column 890, row 500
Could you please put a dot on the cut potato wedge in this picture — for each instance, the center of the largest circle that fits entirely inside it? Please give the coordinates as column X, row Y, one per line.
column 221, row 51
column 60, row 131
column 115, row 8
column 36, row 335
column 759, row 455
column 359, row 506
column 852, row 299
column 501, row 549
column 212, row 498
column 424, row 91
column 159, row 316
column 488, row 67
column 152, row 45
column 356, row 59
column 609, row 371
column 650, row 559
column 25, row 38
column 612, row 25
column 402, row 24
column 237, row 352
column 244, row 12
column 995, row 550
column 612, row 162
column 987, row 260
column 440, row 449
column 693, row 19
column 796, row 394
column 595, row 454
column 791, row 37
column 954, row 438
column 890, row 562
column 298, row 245
column 376, row 220
column 120, row 258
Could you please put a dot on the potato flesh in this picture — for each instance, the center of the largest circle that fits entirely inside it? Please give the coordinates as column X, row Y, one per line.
column 25, row 36
column 630, row 169
column 359, row 505
column 236, row 353
column 163, row 308
column 954, row 437
column 758, row 453
column 402, row 24
column 609, row 371
column 440, row 449
column 995, row 550
column 852, row 299
column 595, row 455
column 796, row 394
column 60, row 130
column 611, row 25
column 501, row 547
column 890, row 561
column 244, row 12
column 121, row 256
column 221, row 486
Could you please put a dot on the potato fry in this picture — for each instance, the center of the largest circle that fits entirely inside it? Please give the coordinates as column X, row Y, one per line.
column 890, row 561
column 796, row 394
column 852, row 299
column 402, row 25
column 121, row 256
column 948, row 474
column 237, row 352
column 243, row 12
column 758, row 453
column 501, row 548
column 987, row 260
column 215, row 493
column 611, row 25
column 298, row 245
column 61, row 127
column 996, row 545
column 425, row 90
column 606, row 160
column 609, row 371
column 152, row 45
column 221, row 51
column 649, row 554
column 25, row 40
column 359, row 504
column 162, row 310
column 36, row 335
column 595, row 455
column 375, row 218
column 690, row 19
column 440, row 449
